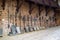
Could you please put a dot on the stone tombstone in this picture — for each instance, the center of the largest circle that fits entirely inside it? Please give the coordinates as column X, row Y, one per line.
column 37, row 27
column 34, row 28
column 13, row 29
column 18, row 30
column 22, row 29
column 30, row 28
column 26, row 29
column 5, row 27
column 1, row 30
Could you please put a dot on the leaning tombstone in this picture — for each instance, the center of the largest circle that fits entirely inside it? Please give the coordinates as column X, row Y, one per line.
column 1, row 32
column 5, row 27
column 10, row 31
column 37, row 28
column 31, row 29
column 18, row 30
column 34, row 28
column 26, row 29
column 22, row 29
column 13, row 29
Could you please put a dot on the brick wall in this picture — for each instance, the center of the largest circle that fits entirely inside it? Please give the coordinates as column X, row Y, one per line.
column 10, row 7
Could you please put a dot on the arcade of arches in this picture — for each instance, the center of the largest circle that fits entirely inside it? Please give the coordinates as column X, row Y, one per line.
column 25, row 15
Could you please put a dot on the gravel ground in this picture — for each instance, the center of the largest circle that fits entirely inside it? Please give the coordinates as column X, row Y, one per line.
column 47, row 34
